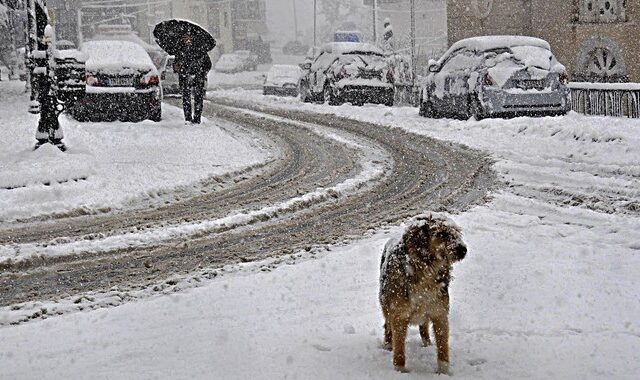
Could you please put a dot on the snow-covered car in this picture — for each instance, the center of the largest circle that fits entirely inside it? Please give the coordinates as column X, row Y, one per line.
column 249, row 60
column 121, row 83
column 282, row 80
column 349, row 72
column 168, row 77
column 496, row 76
column 229, row 63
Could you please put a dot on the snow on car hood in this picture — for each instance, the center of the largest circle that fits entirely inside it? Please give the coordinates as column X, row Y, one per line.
column 117, row 57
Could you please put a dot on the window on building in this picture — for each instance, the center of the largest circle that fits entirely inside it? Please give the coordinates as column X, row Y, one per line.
column 602, row 11
column 253, row 10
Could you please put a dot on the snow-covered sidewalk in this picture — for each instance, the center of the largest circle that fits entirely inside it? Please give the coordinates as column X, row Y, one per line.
column 549, row 288
column 110, row 165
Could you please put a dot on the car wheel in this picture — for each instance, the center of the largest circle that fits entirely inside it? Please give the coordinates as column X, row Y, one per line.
column 328, row 96
column 475, row 109
column 426, row 108
column 305, row 96
column 155, row 114
column 388, row 101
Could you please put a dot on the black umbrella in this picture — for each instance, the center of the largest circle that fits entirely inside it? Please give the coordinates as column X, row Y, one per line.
column 173, row 37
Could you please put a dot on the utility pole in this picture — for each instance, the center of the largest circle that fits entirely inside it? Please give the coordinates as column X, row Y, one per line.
column 295, row 19
column 315, row 23
column 44, row 100
column 80, row 36
column 375, row 22
column 413, row 41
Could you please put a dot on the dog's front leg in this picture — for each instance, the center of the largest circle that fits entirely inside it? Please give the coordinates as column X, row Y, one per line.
column 399, row 335
column 424, row 333
column 441, row 330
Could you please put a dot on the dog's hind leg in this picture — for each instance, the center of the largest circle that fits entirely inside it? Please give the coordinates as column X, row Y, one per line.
column 399, row 335
column 424, row 333
column 388, row 343
column 441, row 330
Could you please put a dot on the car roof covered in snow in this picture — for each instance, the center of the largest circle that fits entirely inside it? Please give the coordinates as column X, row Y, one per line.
column 484, row 43
column 115, row 55
column 351, row 48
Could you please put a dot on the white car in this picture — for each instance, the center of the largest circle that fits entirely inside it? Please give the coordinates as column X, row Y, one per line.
column 121, row 83
column 168, row 77
column 230, row 63
column 282, row 80
column 349, row 72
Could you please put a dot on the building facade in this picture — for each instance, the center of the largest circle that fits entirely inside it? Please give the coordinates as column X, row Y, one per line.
column 595, row 39
column 230, row 22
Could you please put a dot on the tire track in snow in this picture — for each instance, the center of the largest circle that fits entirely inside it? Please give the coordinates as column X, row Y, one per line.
column 425, row 174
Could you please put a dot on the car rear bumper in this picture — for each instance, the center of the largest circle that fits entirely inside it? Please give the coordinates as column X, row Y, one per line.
column 118, row 104
column 499, row 102
column 365, row 94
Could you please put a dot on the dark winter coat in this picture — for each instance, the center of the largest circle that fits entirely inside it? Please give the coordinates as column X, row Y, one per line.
column 189, row 64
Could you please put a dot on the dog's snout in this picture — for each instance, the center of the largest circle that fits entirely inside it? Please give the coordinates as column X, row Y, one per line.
column 461, row 252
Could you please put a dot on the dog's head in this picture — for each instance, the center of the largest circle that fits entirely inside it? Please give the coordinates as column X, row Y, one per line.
column 435, row 242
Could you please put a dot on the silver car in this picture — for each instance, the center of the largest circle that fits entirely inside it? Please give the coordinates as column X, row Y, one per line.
column 496, row 76
column 282, row 80
column 168, row 77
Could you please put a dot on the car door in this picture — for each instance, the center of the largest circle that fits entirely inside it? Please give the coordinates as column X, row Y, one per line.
column 318, row 69
column 452, row 83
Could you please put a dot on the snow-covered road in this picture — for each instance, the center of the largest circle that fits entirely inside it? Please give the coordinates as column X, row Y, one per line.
column 549, row 288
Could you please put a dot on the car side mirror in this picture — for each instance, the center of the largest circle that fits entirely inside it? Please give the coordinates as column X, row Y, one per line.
column 432, row 66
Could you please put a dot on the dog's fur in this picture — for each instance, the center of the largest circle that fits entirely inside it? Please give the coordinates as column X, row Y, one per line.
column 414, row 285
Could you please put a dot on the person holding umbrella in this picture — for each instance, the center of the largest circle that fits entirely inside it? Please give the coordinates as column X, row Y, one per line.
column 192, row 68
column 189, row 43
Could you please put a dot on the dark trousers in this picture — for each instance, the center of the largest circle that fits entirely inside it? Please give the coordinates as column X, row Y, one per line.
column 192, row 85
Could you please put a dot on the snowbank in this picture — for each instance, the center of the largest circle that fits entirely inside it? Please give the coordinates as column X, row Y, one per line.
column 110, row 165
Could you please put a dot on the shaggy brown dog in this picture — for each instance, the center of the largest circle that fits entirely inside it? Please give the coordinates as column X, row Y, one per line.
column 414, row 285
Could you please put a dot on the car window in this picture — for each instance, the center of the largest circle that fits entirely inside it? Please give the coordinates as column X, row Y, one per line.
column 462, row 60
column 323, row 62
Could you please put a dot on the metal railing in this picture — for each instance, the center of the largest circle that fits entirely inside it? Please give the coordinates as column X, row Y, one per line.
column 606, row 99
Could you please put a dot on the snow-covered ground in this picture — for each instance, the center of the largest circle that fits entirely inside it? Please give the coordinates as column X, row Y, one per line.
column 110, row 165
column 549, row 288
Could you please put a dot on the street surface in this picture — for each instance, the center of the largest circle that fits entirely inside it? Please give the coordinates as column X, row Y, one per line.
column 420, row 173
